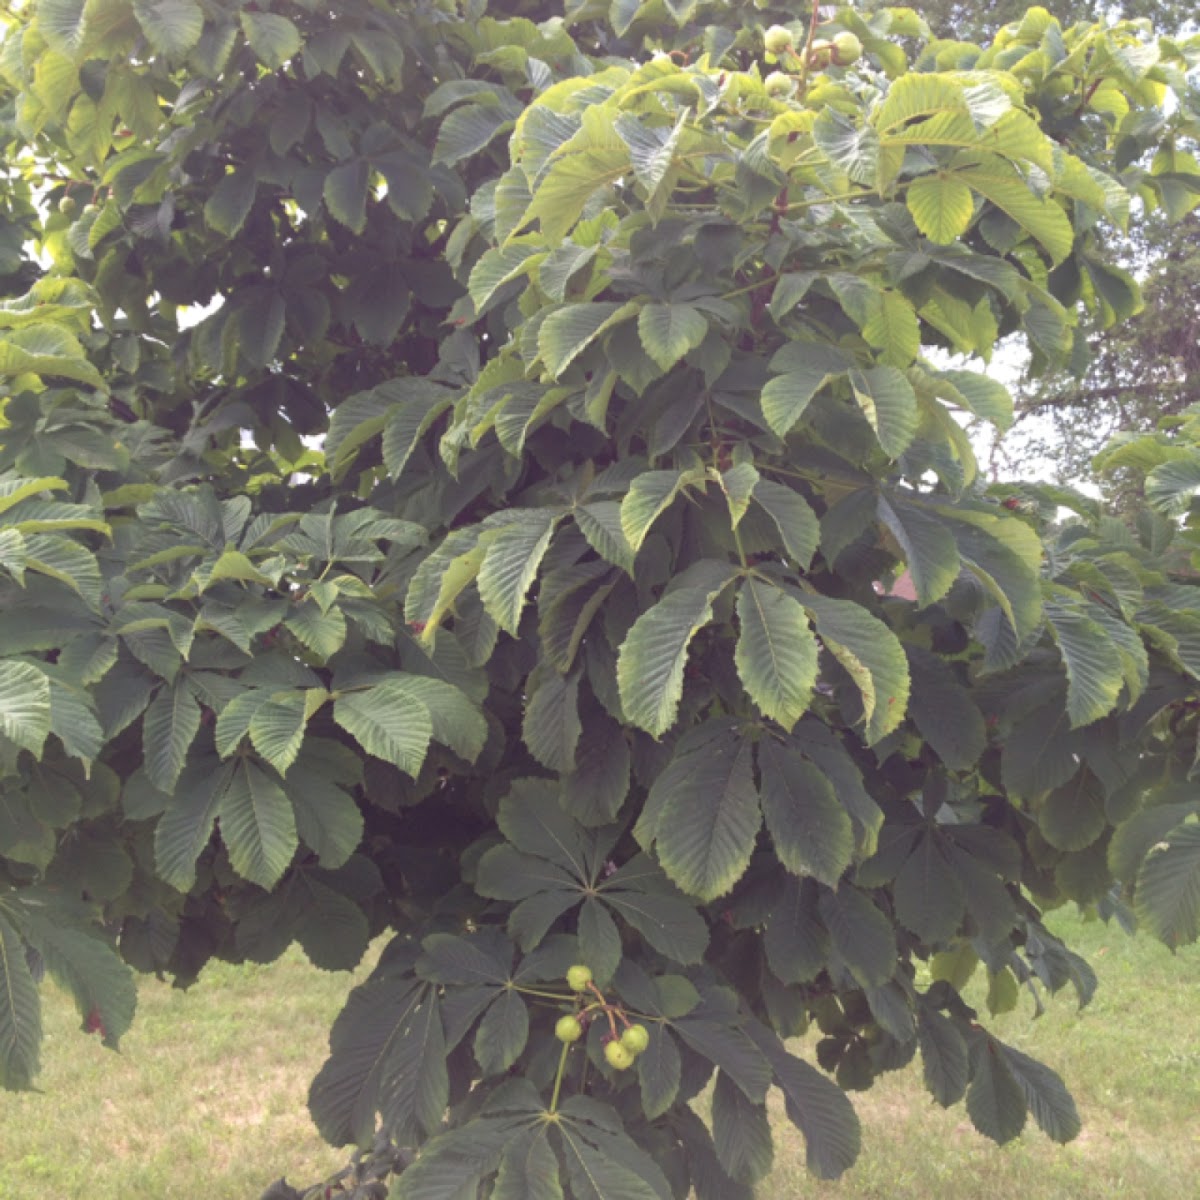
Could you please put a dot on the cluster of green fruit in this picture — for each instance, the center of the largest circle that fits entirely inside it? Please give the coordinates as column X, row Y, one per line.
column 619, row 1051
column 844, row 49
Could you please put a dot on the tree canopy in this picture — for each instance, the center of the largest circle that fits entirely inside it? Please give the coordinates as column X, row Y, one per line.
column 455, row 464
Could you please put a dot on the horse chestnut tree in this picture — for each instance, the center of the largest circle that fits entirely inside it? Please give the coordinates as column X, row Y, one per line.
column 453, row 476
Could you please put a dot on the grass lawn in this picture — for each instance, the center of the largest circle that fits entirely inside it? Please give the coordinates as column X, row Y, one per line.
column 206, row 1098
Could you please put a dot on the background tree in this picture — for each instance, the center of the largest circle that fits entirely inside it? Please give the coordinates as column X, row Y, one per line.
column 564, row 656
column 1122, row 377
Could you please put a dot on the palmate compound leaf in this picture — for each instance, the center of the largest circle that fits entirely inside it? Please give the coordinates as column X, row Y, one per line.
column 651, row 662
column 552, row 864
column 20, row 1014
column 871, row 654
column 804, row 369
column 776, row 652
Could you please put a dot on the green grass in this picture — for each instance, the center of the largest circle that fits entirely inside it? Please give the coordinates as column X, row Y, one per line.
column 206, row 1098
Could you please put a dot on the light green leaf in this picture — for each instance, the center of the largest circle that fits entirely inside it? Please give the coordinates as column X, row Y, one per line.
column 457, row 723
column 942, row 207
column 669, row 331
column 893, row 329
column 501, row 265
column 389, row 722
column 24, row 705
column 785, row 397
column 572, row 180
column 62, row 24
column 651, row 149
column 273, row 38
column 46, row 350
column 1042, row 218
column 469, row 129
column 871, row 654
column 776, row 653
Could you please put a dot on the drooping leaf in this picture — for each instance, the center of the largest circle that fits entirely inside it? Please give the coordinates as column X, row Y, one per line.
column 20, row 1014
